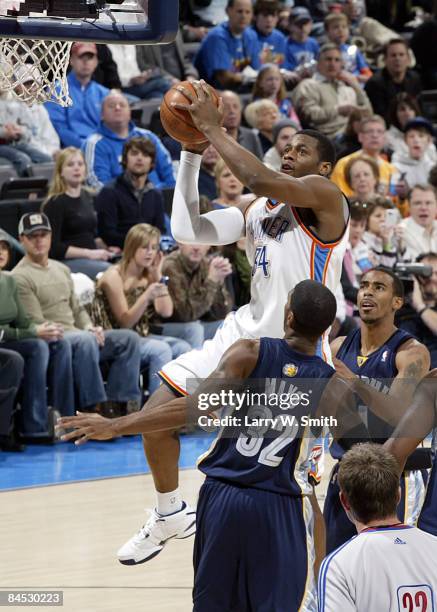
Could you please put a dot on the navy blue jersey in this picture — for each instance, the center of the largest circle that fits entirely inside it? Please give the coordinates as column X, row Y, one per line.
column 267, row 448
column 378, row 369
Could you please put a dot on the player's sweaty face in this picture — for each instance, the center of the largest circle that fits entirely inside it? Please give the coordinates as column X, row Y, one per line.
column 300, row 157
column 375, row 296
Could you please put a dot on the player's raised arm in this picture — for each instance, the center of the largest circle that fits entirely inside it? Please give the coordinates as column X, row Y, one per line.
column 187, row 224
column 236, row 364
column 307, row 192
column 418, row 421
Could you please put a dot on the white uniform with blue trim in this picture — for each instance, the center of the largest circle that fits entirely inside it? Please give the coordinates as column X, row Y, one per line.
column 383, row 569
column 282, row 252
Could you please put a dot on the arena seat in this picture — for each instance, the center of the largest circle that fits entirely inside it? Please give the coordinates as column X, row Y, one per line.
column 30, row 188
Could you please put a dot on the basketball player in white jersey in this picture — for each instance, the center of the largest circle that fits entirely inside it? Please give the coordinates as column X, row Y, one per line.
column 388, row 566
column 296, row 229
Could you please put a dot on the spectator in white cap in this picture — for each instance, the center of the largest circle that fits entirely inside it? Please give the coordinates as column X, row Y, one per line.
column 76, row 122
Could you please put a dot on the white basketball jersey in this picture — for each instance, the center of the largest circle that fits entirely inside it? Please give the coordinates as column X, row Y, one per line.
column 392, row 569
column 283, row 252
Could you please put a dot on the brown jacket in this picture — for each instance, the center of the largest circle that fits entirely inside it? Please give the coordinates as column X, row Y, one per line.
column 194, row 295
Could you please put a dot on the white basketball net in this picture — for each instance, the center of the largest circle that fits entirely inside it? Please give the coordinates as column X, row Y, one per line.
column 35, row 71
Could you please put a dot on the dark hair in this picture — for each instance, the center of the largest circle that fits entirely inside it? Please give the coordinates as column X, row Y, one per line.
column 314, row 308
column 395, row 41
column 368, row 476
column 401, row 99
column 358, row 212
column 422, row 187
column 266, row 7
column 432, row 176
column 398, row 287
column 140, row 143
column 429, row 255
column 360, row 158
column 378, row 201
column 325, row 146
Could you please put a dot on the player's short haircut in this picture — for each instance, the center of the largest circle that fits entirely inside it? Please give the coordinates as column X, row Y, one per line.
column 314, row 308
column 398, row 287
column 369, row 478
column 139, row 143
column 324, row 145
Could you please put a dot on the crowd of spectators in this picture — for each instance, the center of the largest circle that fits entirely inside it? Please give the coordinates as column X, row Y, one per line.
column 343, row 68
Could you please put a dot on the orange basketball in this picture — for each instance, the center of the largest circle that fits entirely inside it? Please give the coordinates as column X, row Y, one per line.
column 178, row 123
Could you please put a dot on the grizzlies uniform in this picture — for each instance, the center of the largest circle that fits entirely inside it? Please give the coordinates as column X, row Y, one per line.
column 378, row 369
column 282, row 252
column 383, row 569
column 253, row 549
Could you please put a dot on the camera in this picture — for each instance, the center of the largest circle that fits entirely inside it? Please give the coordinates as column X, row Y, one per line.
column 407, row 272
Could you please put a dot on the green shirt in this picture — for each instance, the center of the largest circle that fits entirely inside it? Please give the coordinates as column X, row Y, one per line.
column 47, row 294
column 14, row 321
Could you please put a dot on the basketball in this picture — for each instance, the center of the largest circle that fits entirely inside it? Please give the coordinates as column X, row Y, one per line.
column 178, row 123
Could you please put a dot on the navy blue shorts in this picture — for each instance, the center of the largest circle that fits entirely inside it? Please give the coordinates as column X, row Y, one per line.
column 339, row 528
column 428, row 516
column 251, row 551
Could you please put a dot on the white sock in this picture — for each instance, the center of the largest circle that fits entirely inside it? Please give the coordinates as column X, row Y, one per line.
column 168, row 503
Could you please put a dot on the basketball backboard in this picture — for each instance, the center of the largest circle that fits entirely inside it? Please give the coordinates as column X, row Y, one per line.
column 121, row 21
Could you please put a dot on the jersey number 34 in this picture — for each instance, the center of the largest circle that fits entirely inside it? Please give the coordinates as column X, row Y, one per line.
column 261, row 261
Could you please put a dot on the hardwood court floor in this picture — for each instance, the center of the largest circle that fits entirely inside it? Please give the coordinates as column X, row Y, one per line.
column 65, row 537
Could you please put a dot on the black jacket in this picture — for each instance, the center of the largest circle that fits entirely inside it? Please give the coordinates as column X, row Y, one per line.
column 118, row 210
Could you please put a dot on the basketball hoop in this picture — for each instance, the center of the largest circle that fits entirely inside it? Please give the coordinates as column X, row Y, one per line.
column 35, row 71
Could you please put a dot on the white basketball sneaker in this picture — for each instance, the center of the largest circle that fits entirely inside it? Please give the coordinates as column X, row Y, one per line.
column 154, row 535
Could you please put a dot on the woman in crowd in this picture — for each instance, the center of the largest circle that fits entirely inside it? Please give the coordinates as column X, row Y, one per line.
column 362, row 176
column 229, row 188
column 47, row 359
column 380, row 235
column 263, row 115
column 347, row 142
column 270, row 84
column 70, row 209
column 130, row 292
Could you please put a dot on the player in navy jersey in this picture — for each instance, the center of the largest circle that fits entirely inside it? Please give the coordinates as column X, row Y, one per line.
column 382, row 363
column 418, row 422
column 253, row 548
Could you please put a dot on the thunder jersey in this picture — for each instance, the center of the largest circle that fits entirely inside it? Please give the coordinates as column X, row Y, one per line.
column 378, row 369
column 277, row 456
column 283, row 252
column 383, row 569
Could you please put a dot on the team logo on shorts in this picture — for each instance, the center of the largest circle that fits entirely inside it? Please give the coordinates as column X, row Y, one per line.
column 289, row 370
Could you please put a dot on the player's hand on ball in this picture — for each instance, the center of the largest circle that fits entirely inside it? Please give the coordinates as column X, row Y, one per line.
column 86, row 427
column 203, row 109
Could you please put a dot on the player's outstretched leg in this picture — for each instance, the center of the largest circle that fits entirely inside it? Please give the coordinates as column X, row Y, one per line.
column 172, row 518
